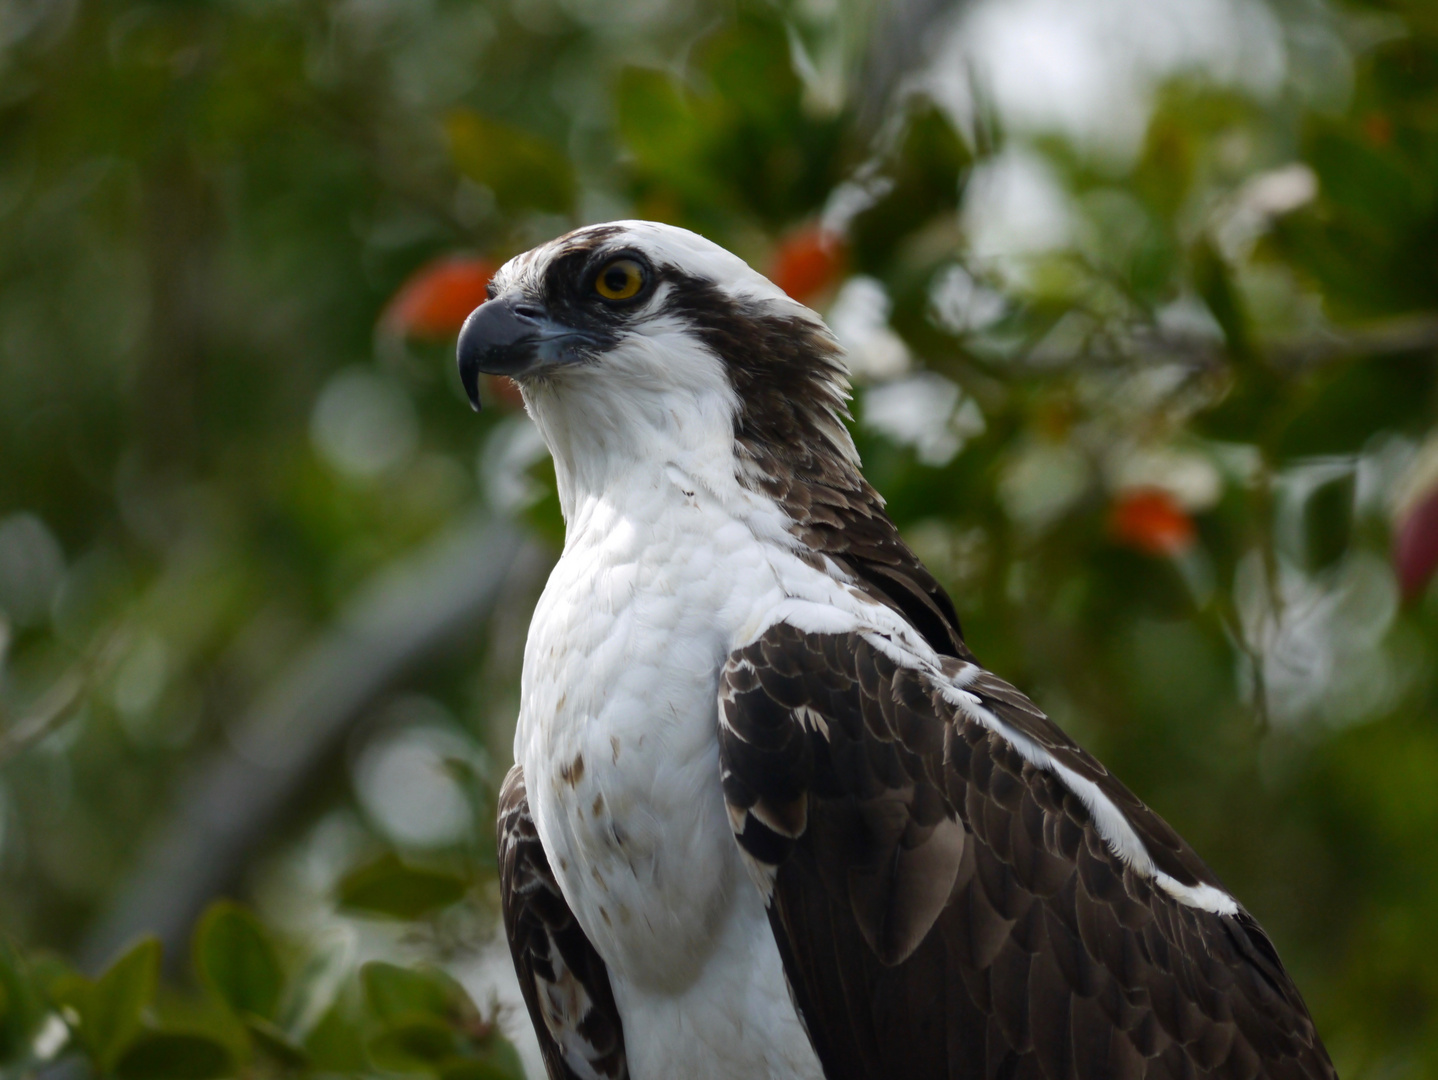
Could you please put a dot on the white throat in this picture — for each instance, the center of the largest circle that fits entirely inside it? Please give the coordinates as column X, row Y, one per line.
column 660, row 400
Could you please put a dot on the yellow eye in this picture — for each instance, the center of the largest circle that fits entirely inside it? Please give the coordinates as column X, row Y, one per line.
column 620, row 280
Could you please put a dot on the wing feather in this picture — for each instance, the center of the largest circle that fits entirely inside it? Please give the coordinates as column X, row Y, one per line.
column 958, row 890
column 564, row 982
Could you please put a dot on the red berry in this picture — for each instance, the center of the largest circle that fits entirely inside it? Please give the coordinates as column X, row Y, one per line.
column 435, row 300
column 808, row 263
column 1150, row 520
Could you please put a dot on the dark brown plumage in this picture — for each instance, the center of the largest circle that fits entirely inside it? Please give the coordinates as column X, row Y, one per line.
column 564, row 982
column 864, row 791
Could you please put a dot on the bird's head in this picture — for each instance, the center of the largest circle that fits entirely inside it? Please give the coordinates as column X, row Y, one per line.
column 634, row 342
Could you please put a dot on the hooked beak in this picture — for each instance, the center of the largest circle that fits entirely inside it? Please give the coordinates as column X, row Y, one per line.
column 514, row 338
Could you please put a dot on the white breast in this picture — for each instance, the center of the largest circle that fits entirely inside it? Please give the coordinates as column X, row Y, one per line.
column 617, row 737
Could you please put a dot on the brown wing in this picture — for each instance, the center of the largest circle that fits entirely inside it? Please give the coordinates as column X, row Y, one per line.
column 565, row 983
column 947, row 908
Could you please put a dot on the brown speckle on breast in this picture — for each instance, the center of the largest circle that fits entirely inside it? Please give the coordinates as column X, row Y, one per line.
column 572, row 773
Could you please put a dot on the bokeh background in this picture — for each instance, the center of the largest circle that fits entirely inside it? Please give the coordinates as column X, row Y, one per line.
column 1141, row 298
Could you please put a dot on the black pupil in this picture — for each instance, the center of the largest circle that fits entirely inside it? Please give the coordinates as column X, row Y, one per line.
column 616, row 278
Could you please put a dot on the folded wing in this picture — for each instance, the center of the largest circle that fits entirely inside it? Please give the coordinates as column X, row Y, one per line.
column 564, row 982
column 958, row 890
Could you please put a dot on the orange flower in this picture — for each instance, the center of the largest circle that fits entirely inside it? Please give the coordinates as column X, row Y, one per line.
column 1150, row 520
column 435, row 300
column 808, row 263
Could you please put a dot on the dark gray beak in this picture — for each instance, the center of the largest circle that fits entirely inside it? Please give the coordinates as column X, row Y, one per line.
column 512, row 337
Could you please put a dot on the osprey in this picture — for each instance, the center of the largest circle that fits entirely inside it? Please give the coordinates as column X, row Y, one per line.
column 769, row 817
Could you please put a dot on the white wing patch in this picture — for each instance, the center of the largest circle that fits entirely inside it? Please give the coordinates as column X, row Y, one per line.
column 1110, row 821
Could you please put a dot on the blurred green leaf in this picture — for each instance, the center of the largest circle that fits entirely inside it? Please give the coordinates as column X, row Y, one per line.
column 388, row 887
column 1328, row 522
column 395, row 993
column 68, row 989
column 1337, row 410
column 336, row 1044
column 500, row 1058
column 1213, row 281
column 237, row 961
column 475, row 1069
column 20, row 1010
column 733, row 140
column 523, row 170
column 50, row 974
column 311, row 992
column 276, row 1043
column 749, row 65
column 659, row 126
column 164, row 1055
column 111, row 1008
column 413, row 1042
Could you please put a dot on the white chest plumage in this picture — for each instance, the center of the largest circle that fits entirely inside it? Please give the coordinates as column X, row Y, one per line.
column 618, row 740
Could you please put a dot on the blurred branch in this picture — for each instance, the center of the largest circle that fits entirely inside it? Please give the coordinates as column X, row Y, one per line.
column 231, row 802
column 1288, row 355
column 1410, row 333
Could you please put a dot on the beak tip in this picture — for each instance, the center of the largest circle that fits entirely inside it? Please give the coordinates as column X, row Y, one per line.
column 469, row 379
column 467, row 355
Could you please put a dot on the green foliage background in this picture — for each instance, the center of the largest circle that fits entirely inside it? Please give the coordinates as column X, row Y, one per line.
column 217, row 461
